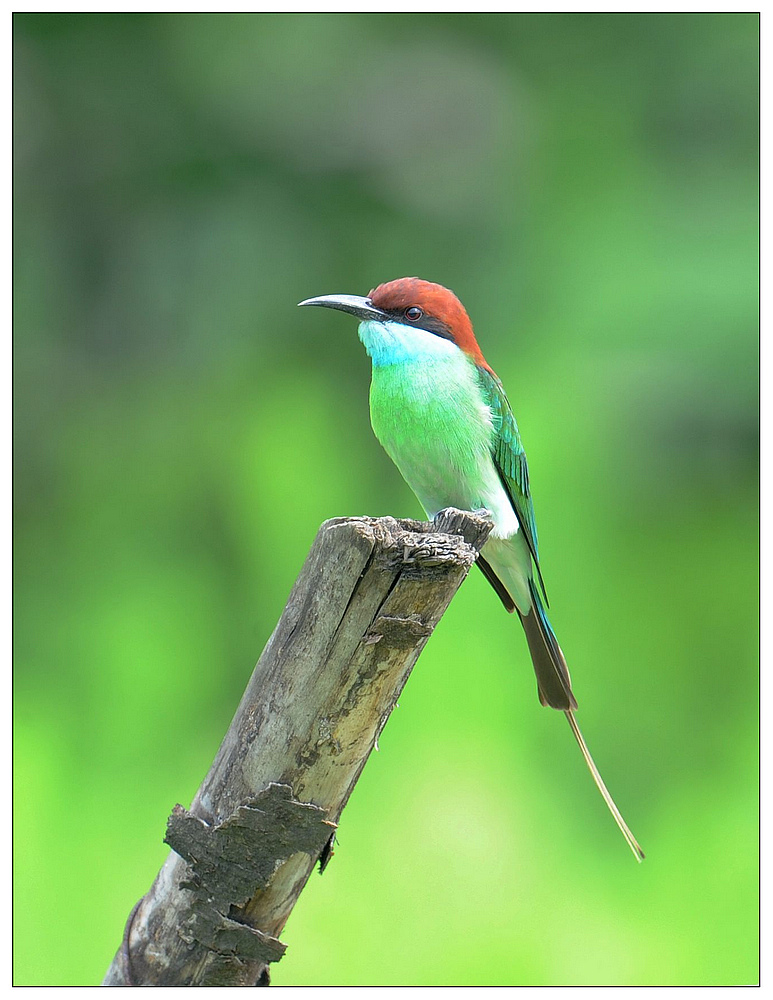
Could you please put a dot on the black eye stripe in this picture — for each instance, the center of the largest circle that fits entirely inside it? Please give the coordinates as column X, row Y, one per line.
column 436, row 326
column 429, row 323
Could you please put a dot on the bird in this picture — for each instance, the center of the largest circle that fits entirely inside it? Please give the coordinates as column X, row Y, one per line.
column 442, row 415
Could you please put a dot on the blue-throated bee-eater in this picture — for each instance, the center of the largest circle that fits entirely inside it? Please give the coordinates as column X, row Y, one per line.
column 440, row 411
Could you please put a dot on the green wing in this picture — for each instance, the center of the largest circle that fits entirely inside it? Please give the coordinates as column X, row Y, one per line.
column 510, row 460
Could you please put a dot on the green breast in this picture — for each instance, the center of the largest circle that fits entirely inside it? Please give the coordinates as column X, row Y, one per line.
column 430, row 417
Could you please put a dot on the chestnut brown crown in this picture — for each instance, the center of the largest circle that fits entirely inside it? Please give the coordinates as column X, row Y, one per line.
column 430, row 307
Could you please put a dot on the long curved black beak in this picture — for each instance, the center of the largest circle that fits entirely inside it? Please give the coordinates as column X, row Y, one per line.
column 357, row 305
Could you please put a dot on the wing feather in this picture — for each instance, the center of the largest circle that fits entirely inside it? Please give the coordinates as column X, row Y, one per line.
column 510, row 460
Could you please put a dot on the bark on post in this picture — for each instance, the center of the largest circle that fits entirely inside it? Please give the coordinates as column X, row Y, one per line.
column 365, row 603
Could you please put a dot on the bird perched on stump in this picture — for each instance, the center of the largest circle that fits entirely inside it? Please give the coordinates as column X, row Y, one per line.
column 442, row 415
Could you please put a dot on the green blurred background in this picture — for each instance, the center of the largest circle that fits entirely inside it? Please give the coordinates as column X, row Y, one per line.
column 588, row 185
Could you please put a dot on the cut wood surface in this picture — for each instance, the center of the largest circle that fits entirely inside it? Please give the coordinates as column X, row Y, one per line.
column 365, row 603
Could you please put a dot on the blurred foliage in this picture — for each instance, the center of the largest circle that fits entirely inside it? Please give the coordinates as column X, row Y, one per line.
column 588, row 185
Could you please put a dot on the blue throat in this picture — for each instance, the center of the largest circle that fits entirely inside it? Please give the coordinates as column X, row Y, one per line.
column 395, row 343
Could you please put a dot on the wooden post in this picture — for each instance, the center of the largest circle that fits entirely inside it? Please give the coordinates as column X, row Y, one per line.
column 365, row 603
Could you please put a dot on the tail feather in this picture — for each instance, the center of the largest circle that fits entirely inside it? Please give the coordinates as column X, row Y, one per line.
column 553, row 682
column 555, row 690
column 623, row 826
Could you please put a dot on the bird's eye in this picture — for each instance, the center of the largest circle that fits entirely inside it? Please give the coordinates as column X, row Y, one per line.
column 413, row 313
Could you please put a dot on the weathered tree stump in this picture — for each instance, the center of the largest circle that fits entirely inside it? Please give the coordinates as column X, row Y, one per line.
column 365, row 603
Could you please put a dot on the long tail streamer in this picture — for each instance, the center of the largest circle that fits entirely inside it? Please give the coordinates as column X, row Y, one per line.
column 629, row 837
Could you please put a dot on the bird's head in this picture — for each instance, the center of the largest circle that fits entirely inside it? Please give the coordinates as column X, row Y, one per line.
column 414, row 304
